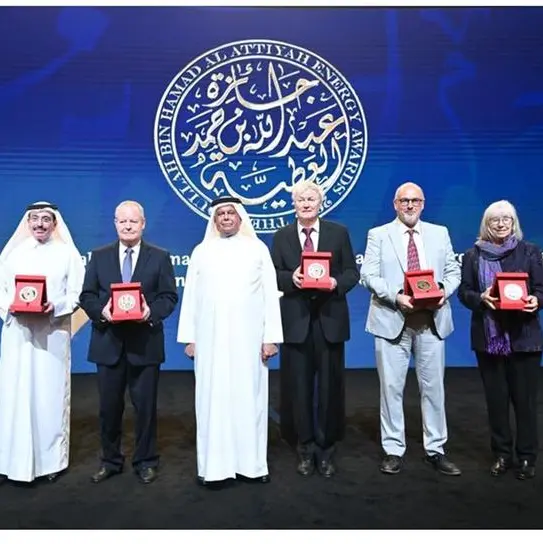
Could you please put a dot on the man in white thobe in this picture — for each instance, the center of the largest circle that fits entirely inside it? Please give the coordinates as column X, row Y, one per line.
column 35, row 348
column 230, row 320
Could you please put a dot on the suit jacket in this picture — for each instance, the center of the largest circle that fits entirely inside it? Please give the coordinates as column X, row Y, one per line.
column 143, row 343
column 297, row 304
column 524, row 328
column 383, row 269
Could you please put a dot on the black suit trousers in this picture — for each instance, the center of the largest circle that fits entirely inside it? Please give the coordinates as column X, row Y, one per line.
column 142, row 384
column 511, row 380
column 313, row 371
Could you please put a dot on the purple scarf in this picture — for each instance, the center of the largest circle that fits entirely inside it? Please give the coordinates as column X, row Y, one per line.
column 490, row 255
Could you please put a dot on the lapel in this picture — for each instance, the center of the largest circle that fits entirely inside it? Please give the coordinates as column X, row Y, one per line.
column 476, row 270
column 325, row 243
column 115, row 264
column 396, row 240
column 429, row 245
column 143, row 257
column 294, row 239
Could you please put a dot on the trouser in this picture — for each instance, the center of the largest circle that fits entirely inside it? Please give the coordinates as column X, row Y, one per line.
column 512, row 380
column 418, row 339
column 142, row 384
column 313, row 371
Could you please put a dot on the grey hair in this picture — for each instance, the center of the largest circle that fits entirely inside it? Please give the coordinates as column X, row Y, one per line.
column 302, row 186
column 407, row 184
column 492, row 211
column 131, row 203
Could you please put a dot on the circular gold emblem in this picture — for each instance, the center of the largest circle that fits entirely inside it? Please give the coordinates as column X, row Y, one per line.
column 127, row 302
column 316, row 271
column 513, row 291
column 28, row 294
column 424, row 285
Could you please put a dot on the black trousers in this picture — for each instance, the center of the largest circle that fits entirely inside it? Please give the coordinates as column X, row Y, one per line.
column 312, row 369
column 142, row 384
column 511, row 380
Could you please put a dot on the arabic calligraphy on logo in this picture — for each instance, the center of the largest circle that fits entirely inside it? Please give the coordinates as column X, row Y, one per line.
column 28, row 294
column 252, row 118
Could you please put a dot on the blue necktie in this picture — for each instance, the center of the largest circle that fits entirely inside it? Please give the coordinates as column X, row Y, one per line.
column 127, row 266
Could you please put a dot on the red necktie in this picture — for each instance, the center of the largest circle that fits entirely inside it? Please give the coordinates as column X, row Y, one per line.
column 412, row 253
column 308, row 244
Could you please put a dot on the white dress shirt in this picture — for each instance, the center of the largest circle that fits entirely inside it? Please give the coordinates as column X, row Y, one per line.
column 417, row 237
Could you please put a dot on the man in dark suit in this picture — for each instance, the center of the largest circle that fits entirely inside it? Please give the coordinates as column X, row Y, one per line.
column 315, row 328
column 128, row 352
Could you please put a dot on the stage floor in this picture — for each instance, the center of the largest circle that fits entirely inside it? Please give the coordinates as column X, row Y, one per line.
column 358, row 497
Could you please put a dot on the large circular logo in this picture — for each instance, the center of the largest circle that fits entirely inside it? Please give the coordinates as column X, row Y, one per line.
column 250, row 119
column 28, row 294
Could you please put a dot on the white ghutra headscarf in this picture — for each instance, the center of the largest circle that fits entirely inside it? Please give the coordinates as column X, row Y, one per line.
column 60, row 233
column 23, row 232
column 246, row 228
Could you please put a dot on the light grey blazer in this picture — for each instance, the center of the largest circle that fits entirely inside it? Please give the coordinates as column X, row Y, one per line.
column 382, row 273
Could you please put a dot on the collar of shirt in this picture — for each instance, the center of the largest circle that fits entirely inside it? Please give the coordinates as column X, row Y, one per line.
column 123, row 248
column 403, row 228
column 315, row 225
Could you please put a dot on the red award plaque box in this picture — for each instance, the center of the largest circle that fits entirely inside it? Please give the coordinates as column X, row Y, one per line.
column 511, row 288
column 315, row 268
column 421, row 287
column 126, row 301
column 30, row 294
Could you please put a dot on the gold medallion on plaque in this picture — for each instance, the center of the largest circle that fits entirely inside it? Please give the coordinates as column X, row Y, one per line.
column 424, row 285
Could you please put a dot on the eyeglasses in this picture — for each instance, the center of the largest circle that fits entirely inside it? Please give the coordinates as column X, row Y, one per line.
column 406, row 201
column 45, row 219
column 495, row 221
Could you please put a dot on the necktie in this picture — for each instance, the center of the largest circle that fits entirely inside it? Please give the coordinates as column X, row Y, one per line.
column 127, row 266
column 308, row 244
column 412, row 253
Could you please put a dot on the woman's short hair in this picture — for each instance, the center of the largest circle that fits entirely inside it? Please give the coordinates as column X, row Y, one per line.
column 303, row 186
column 496, row 209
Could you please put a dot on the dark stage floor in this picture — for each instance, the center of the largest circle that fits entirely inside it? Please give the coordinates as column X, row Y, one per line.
column 359, row 497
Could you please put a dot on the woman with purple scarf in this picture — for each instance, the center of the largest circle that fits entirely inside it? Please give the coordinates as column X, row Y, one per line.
column 507, row 343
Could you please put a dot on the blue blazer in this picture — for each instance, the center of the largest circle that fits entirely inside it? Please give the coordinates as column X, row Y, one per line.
column 142, row 343
column 524, row 328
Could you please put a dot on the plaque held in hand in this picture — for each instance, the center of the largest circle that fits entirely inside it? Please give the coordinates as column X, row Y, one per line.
column 315, row 268
column 30, row 295
column 126, row 302
column 422, row 288
column 511, row 288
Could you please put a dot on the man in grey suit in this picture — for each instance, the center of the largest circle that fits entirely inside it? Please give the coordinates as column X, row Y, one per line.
column 401, row 330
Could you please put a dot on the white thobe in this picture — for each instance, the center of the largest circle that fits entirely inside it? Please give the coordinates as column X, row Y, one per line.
column 35, row 363
column 230, row 307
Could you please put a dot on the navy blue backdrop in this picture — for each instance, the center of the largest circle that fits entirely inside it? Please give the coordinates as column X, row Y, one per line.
column 171, row 106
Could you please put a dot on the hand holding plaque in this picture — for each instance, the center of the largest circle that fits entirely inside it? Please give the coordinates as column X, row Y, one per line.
column 315, row 269
column 423, row 290
column 511, row 290
column 126, row 302
column 30, row 295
